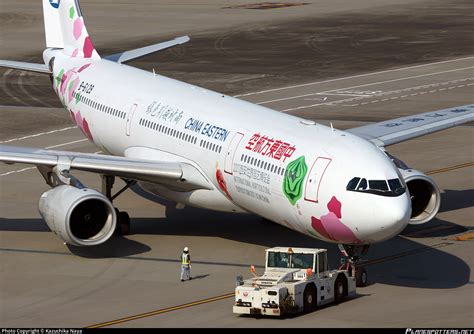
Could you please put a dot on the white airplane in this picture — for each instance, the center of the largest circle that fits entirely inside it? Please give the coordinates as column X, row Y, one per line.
column 172, row 140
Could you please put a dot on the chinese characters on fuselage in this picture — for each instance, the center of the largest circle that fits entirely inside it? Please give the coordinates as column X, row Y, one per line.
column 270, row 147
column 164, row 112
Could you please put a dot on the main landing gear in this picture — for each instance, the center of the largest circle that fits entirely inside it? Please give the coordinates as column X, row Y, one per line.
column 123, row 219
column 352, row 262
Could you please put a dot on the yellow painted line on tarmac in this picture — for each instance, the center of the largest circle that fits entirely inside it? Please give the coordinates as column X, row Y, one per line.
column 450, row 168
column 463, row 237
column 169, row 309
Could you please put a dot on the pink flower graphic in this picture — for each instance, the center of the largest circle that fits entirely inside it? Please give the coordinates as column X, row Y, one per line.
column 330, row 226
column 82, row 124
column 78, row 25
column 88, row 47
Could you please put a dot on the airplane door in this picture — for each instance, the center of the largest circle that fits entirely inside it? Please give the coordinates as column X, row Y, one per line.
column 314, row 179
column 129, row 118
column 229, row 157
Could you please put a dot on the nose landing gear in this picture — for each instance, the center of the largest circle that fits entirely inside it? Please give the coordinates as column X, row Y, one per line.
column 352, row 262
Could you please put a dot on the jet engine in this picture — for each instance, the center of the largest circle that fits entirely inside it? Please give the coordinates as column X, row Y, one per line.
column 80, row 217
column 424, row 194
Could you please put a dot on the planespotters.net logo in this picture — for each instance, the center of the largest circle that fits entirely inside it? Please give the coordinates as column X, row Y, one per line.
column 439, row 331
column 54, row 3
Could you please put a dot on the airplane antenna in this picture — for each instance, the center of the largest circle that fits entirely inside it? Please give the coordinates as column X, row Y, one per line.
column 332, row 127
column 154, row 74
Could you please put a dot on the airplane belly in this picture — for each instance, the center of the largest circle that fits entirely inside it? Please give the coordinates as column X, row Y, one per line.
column 201, row 198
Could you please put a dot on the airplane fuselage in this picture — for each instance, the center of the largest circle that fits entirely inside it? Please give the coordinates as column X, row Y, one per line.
column 287, row 169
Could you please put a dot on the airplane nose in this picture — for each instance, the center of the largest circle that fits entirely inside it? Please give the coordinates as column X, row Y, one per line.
column 390, row 217
column 396, row 215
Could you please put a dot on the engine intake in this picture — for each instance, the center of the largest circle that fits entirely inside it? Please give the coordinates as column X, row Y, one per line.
column 424, row 194
column 80, row 217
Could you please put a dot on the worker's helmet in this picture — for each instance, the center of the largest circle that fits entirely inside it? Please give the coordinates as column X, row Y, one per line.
column 186, row 249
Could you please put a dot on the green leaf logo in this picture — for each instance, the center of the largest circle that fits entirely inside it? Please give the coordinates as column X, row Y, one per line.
column 293, row 181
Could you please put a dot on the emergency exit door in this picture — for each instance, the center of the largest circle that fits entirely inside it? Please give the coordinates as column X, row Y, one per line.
column 229, row 157
column 314, row 179
column 129, row 118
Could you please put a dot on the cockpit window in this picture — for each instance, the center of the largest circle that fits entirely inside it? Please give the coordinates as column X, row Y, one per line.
column 396, row 186
column 362, row 185
column 378, row 185
column 353, row 183
column 392, row 187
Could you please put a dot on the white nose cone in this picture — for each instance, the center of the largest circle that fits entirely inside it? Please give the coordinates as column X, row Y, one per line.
column 390, row 216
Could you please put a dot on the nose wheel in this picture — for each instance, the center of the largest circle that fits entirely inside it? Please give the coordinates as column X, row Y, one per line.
column 361, row 277
column 352, row 262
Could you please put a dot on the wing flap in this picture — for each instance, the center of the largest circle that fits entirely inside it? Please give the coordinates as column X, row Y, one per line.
column 177, row 175
column 404, row 128
column 130, row 55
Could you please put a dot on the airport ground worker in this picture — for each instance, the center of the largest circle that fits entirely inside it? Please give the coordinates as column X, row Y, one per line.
column 185, row 265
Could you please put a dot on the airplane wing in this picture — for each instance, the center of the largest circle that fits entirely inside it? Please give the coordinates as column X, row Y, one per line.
column 177, row 176
column 19, row 65
column 400, row 129
column 141, row 52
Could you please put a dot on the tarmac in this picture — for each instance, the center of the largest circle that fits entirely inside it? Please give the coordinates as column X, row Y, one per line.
column 346, row 63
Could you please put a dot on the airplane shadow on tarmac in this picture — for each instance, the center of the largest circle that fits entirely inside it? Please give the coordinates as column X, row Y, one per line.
column 399, row 261
column 456, row 199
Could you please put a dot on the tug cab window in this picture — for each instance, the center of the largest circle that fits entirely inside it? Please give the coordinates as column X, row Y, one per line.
column 290, row 260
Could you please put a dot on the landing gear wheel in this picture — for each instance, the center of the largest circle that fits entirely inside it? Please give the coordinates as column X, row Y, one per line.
column 353, row 253
column 361, row 277
column 124, row 220
column 309, row 298
column 340, row 289
column 123, row 223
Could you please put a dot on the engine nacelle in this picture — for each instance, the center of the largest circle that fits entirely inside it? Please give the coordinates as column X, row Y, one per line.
column 80, row 217
column 424, row 194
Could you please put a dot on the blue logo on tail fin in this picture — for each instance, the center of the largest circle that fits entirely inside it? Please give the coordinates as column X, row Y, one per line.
column 54, row 3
